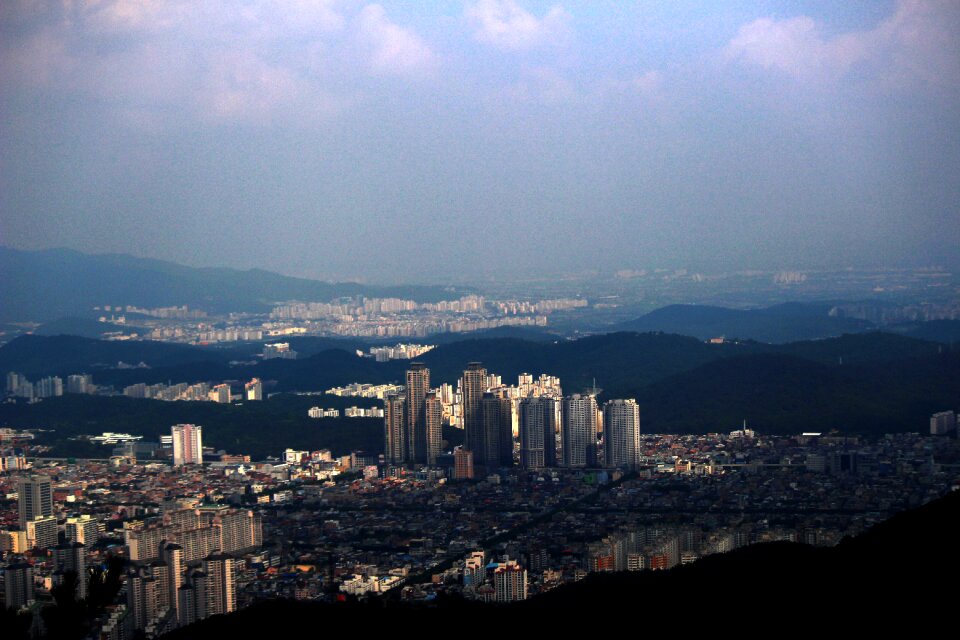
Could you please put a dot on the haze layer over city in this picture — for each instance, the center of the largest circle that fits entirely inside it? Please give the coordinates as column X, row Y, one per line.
column 335, row 317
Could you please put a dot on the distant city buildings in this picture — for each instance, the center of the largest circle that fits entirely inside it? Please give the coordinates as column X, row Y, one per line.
column 397, row 352
column 319, row 412
column 253, row 390
column 18, row 386
column 220, row 394
column 943, row 423
column 363, row 390
column 279, row 350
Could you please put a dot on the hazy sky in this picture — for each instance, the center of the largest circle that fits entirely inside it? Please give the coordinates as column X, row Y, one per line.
column 412, row 140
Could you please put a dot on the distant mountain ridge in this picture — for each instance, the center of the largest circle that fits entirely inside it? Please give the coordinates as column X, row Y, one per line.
column 50, row 284
column 778, row 324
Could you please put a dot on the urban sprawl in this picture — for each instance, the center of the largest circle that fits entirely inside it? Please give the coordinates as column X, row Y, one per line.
column 545, row 488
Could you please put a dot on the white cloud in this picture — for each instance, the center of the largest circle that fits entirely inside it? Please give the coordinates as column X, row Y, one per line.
column 217, row 60
column 506, row 25
column 918, row 43
column 392, row 48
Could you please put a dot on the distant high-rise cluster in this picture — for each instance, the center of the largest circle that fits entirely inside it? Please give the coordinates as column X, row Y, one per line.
column 19, row 386
column 496, row 418
column 413, row 420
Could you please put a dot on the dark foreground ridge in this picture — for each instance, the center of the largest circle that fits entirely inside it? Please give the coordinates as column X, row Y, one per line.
column 887, row 575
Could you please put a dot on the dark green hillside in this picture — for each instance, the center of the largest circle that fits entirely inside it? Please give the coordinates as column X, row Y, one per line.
column 35, row 355
column 777, row 324
column 257, row 428
column 784, row 394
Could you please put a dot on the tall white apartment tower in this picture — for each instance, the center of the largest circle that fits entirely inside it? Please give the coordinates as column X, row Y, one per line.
column 621, row 433
column 221, row 586
column 187, row 444
column 34, row 498
column 579, row 431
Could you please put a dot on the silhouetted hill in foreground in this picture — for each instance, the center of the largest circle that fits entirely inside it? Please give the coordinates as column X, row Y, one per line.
column 945, row 331
column 897, row 572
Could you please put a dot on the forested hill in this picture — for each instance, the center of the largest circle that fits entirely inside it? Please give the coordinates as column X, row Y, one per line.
column 50, row 284
column 865, row 383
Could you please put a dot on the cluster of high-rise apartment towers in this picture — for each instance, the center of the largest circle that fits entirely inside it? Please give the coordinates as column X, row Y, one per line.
column 547, row 425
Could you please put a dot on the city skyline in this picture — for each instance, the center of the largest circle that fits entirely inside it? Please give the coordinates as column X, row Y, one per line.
column 326, row 316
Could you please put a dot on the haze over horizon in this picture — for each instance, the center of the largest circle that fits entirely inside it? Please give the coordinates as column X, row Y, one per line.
column 387, row 142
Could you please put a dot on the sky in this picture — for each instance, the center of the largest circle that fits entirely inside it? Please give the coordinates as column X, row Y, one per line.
column 432, row 141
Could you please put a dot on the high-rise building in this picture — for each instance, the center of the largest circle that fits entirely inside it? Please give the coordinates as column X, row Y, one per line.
column 538, row 432
column 34, row 498
column 14, row 541
column 42, row 532
column 173, row 558
column 221, row 584
column 80, row 383
column 510, row 582
column 253, row 389
column 161, row 573
column 84, row 529
column 14, row 380
column 579, row 431
column 462, row 464
column 142, row 600
column 433, row 407
column 236, row 530
column 418, row 384
column 143, row 541
column 497, row 420
column 472, row 387
column 72, row 557
column 49, row 387
column 942, row 423
column 187, row 444
column 188, row 598
column 474, row 569
column 197, row 543
column 18, row 585
column 394, row 428
column 621, row 433
column 220, row 394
